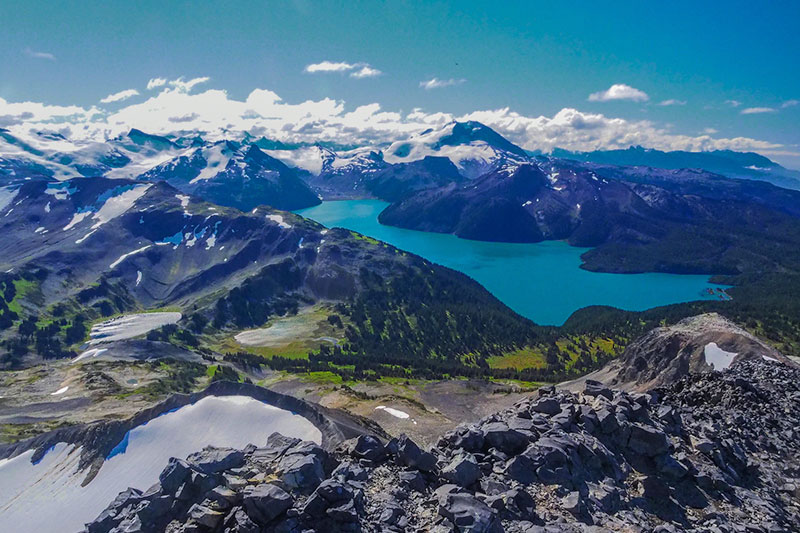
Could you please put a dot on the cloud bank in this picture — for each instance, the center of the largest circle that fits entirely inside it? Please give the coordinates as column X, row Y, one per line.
column 176, row 109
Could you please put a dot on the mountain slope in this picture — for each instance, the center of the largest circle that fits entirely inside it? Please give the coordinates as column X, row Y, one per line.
column 234, row 175
column 732, row 164
column 78, row 250
column 656, row 221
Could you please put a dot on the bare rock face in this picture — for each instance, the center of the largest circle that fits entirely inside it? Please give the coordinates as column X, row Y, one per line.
column 713, row 452
column 697, row 344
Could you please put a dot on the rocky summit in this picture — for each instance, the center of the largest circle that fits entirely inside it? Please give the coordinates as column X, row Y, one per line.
column 712, row 452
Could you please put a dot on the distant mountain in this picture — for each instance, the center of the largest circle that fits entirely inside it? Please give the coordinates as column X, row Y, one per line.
column 224, row 172
column 235, row 175
column 732, row 164
column 672, row 221
column 473, row 147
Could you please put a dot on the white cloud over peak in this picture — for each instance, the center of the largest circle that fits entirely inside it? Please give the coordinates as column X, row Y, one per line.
column 154, row 83
column 671, row 102
column 356, row 70
column 174, row 110
column 757, row 110
column 187, row 86
column 436, row 83
column 120, row 96
column 619, row 91
column 39, row 55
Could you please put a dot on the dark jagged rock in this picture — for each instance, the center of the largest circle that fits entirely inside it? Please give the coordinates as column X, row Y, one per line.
column 715, row 452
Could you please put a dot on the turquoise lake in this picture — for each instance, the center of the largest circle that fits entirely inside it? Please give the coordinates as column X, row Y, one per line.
column 541, row 281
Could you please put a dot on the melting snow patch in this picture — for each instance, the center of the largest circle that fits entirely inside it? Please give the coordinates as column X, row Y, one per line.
column 117, row 205
column 7, row 196
column 77, row 218
column 123, row 257
column 138, row 277
column 394, row 412
column 85, row 237
column 60, row 391
column 765, row 358
column 129, row 326
column 40, row 229
column 92, row 352
column 717, row 357
column 279, row 220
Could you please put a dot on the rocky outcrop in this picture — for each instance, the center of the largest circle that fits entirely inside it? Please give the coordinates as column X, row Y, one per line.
column 666, row 354
column 713, row 452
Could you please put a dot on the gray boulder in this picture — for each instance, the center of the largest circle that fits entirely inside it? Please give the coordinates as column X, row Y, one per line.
column 265, row 502
column 463, row 470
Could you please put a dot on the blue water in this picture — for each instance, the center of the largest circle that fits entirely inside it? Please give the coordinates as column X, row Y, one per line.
column 541, row 281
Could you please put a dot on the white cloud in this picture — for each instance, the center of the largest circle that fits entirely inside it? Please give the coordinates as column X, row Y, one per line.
column 366, row 72
column 329, row 66
column 120, row 96
column 356, row 70
column 710, row 131
column 187, row 86
column 436, row 83
column 757, row 110
column 790, row 103
column 39, row 55
column 671, row 102
column 155, row 83
column 619, row 91
column 215, row 114
column 733, row 103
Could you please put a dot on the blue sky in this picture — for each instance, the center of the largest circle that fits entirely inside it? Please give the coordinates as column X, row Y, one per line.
column 711, row 61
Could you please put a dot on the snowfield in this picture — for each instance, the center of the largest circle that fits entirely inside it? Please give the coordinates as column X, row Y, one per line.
column 129, row 326
column 48, row 496
column 717, row 357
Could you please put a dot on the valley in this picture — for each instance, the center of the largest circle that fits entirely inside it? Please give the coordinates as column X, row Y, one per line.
column 165, row 287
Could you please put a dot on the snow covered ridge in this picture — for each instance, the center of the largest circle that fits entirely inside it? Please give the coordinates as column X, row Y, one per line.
column 473, row 148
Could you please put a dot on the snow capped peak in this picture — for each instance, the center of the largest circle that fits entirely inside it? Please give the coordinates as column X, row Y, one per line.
column 473, row 147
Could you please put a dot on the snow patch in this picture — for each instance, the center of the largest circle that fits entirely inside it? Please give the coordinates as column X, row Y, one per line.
column 279, row 220
column 7, row 195
column 217, row 158
column 717, row 357
column 129, row 326
column 123, row 257
column 394, row 412
column 92, row 352
column 60, row 391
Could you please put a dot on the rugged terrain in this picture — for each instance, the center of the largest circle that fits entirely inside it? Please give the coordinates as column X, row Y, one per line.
column 712, row 452
column 695, row 345
column 653, row 220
